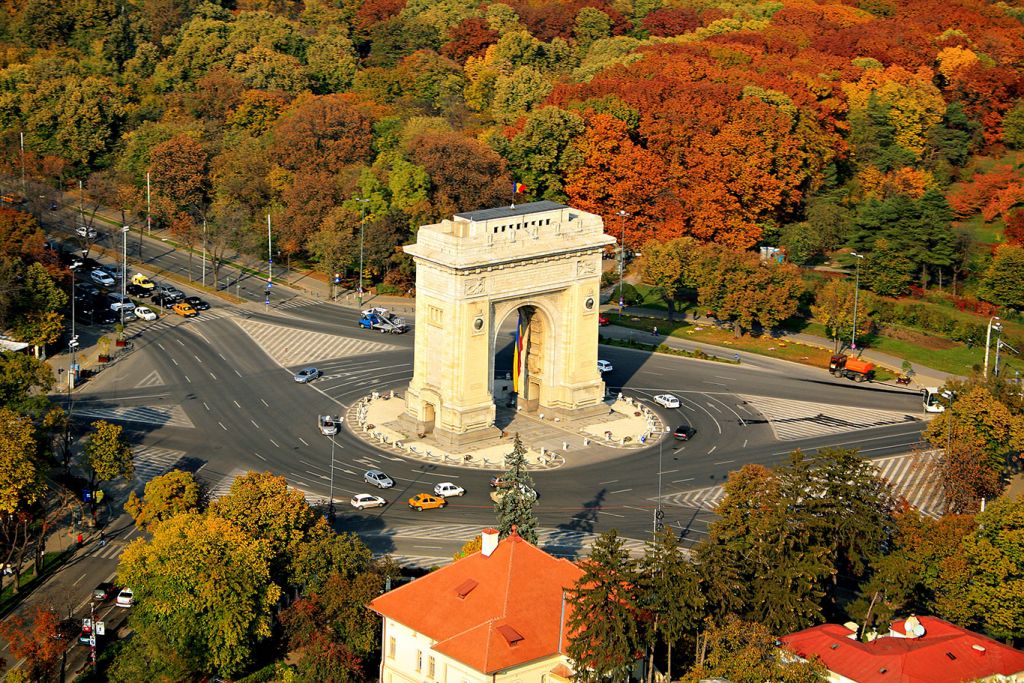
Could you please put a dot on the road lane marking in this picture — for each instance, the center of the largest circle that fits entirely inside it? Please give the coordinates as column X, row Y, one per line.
column 259, row 456
column 79, row 579
column 348, row 472
column 680, row 481
column 237, row 404
column 620, row 491
column 857, row 441
column 707, row 381
column 602, row 483
column 254, row 423
column 428, row 547
column 237, row 372
column 275, row 443
column 724, row 462
column 631, row 507
column 161, row 346
column 197, row 358
column 744, row 443
column 261, row 400
column 213, row 375
column 667, row 471
column 206, row 406
column 187, row 379
column 221, row 356
column 712, row 450
column 603, row 512
column 303, row 441
column 222, row 426
column 174, row 361
column 180, row 342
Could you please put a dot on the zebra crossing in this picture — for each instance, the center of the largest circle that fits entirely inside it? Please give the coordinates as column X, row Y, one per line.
column 111, row 551
column 152, row 461
column 170, row 416
column 912, row 477
column 168, row 320
column 222, row 487
column 791, row 420
column 289, row 346
column 559, row 542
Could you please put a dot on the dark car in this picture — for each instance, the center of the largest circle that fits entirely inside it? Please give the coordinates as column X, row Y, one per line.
column 169, row 291
column 107, row 317
column 132, row 289
column 87, row 289
column 103, row 592
column 684, row 432
column 65, row 629
column 197, row 303
column 164, row 300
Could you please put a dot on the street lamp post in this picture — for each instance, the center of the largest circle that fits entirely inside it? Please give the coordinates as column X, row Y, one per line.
column 330, row 505
column 856, row 292
column 362, row 225
column 988, row 340
column 622, row 253
column 204, row 251
column 124, row 270
column 659, row 514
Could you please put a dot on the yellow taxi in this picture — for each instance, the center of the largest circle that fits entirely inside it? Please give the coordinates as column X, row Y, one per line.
column 425, row 501
column 185, row 310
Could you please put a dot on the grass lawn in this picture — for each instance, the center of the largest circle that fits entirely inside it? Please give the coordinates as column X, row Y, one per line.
column 27, row 581
column 985, row 233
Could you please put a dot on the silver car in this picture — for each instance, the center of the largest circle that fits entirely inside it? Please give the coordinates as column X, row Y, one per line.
column 378, row 479
column 306, row 375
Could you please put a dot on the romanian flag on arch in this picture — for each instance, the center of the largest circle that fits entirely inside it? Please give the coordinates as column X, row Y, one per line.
column 518, row 187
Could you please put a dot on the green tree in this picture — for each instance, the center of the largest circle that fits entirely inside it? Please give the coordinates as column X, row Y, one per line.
column 263, row 505
column 604, row 619
column 24, row 382
column 170, row 494
column 107, row 452
column 995, row 565
column 591, row 24
column 886, row 270
column 20, row 479
column 833, row 308
column 1004, row 281
column 1013, row 126
column 663, row 266
column 515, row 507
column 204, row 599
column 669, row 589
column 762, row 559
column 979, row 419
column 330, row 554
column 543, row 153
column 747, row 652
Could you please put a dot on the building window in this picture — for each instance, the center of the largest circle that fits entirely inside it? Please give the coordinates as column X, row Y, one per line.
column 419, row 660
column 430, row 667
column 391, row 647
column 435, row 315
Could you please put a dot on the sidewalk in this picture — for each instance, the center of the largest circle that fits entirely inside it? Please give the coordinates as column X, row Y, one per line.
column 923, row 376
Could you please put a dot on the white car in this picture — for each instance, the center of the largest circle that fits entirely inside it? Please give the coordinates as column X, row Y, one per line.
column 361, row 501
column 447, row 489
column 145, row 313
column 102, row 278
column 118, row 301
column 328, row 425
column 667, row 400
column 88, row 233
column 604, row 366
column 125, row 598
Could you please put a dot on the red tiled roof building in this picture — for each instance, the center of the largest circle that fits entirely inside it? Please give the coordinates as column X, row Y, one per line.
column 499, row 614
column 917, row 650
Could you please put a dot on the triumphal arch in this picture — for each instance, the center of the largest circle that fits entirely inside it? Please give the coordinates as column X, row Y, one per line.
column 538, row 264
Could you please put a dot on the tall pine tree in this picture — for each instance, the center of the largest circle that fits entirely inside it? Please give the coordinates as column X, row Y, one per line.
column 604, row 622
column 515, row 507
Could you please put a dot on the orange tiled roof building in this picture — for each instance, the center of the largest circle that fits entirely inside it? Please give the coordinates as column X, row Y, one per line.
column 497, row 615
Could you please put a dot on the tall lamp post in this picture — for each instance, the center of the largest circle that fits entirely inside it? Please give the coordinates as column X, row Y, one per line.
column 856, row 292
column 362, row 224
column 622, row 253
column 988, row 339
column 124, row 269
column 330, row 504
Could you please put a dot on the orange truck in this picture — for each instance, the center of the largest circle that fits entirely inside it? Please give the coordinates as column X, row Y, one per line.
column 856, row 369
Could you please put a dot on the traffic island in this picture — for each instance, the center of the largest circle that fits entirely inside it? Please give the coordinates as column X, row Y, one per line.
column 551, row 442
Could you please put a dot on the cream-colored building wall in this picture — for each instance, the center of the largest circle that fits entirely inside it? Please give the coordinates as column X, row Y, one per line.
column 409, row 661
column 473, row 274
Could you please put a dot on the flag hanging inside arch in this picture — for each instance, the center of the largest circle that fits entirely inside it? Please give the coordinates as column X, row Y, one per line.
column 519, row 352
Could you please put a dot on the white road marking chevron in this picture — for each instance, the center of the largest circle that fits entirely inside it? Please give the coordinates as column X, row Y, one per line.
column 791, row 420
column 172, row 416
column 289, row 346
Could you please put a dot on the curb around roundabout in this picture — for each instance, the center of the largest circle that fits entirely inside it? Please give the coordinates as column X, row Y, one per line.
column 364, row 420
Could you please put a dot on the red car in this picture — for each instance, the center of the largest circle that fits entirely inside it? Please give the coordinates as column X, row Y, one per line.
column 602, row 321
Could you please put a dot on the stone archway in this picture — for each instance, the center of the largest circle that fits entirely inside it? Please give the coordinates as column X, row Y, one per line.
column 475, row 270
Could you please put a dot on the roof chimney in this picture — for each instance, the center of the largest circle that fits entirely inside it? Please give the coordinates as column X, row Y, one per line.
column 488, row 541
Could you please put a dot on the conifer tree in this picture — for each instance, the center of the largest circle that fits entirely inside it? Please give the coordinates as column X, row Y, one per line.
column 515, row 507
column 605, row 636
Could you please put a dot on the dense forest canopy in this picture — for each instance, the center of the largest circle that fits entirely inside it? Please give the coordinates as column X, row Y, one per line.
column 810, row 125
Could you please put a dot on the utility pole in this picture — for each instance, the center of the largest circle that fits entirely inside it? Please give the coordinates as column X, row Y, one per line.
column 204, row 251
column 270, row 266
column 362, row 224
column 24, row 191
column 622, row 255
column 856, row 291
column 988, row 340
